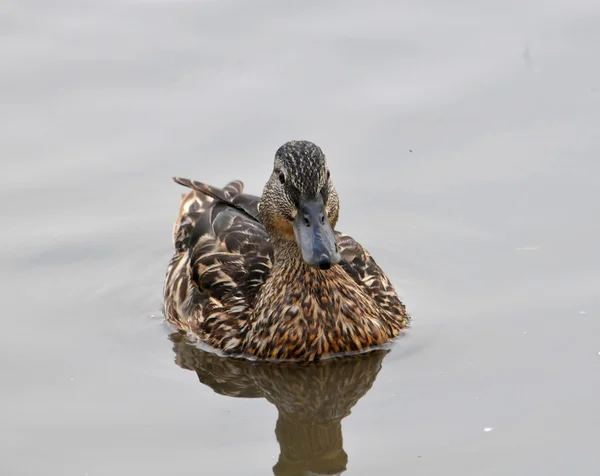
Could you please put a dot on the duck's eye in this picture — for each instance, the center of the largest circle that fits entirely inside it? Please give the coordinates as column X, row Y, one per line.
column 328, row 174
column 281, row 177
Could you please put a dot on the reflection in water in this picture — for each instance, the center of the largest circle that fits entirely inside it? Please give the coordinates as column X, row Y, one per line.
column 311, row 399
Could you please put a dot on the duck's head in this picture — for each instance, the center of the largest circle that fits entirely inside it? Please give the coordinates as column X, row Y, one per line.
column 299, row 203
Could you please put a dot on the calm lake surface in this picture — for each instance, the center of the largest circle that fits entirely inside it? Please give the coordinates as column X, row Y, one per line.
column 464, row 141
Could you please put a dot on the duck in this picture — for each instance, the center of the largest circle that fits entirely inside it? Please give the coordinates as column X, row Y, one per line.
column 269, row 277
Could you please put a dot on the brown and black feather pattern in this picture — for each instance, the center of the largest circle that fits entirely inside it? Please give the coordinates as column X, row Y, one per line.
column 222, row 257
column 221, row 286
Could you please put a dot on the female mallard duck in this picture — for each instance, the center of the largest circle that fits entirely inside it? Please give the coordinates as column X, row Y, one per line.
column 269, row 277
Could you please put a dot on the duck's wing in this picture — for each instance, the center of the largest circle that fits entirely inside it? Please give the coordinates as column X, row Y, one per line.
column 361, row 266
column 224, row 258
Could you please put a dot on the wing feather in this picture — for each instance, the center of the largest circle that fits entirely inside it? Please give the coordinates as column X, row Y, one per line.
column 228, row 256
column 363, row 269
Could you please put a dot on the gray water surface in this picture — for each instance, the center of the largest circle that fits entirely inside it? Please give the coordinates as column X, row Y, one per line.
column 463, row 140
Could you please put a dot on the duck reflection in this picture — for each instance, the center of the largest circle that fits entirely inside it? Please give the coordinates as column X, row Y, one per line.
column 311, row 400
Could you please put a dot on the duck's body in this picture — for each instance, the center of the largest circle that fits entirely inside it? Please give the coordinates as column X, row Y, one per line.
column 240, row 279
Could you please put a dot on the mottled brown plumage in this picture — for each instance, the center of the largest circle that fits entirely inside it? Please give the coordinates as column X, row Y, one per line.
column 240, row 280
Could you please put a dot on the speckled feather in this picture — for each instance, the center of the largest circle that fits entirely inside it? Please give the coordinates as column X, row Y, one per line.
column 223, row 287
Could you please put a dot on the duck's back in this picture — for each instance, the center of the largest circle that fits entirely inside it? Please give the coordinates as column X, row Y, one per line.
column 222, row 257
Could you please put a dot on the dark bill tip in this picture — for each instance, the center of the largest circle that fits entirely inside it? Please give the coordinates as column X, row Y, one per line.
column 324, row 262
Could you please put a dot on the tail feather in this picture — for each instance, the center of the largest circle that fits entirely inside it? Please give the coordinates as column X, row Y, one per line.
column 233, row 188
column 196, row 202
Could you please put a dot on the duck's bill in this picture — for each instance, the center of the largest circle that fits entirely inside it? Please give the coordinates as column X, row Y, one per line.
column 315, row 236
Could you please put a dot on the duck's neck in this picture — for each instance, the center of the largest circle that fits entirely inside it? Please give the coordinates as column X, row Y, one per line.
column 301, row 289
column 287, row 254
column 289, row 263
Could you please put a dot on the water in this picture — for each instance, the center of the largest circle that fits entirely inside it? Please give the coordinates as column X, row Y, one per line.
column 463, row 141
